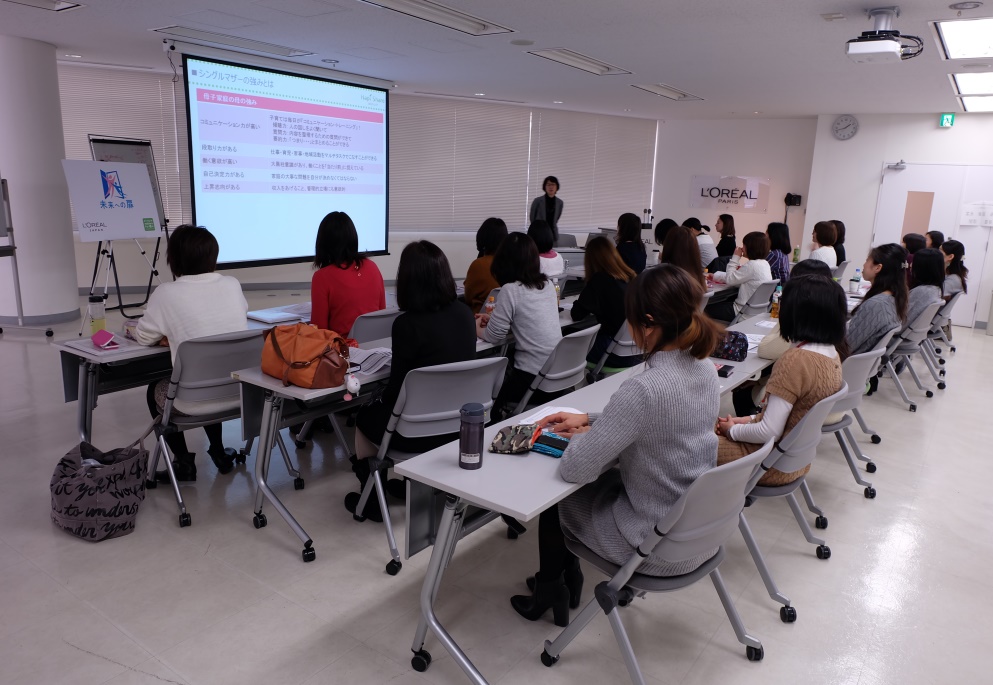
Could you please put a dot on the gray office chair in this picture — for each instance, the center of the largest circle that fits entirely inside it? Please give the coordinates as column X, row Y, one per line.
column 930, row 352
column 758, row 303
column 565, row 367
column 201, row 375
column 881, row 344
column 429, row 404
column 705, row 300
column 838, row 272
column 904, row 346
column 700, row 522
column 621, row 345
column 374, row 325
column 856, row 371
column 794, row 452
column 566, row 240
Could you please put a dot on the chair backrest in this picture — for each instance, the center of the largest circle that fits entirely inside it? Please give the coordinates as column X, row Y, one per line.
column 799, row 447
column 431, row 397
column 374, row 325
column 203, row 366
column 944, row 315
column 839, row 271
column 758, row 303
column 883, row 344
column 621, row 345
column 705, row 300
column 566, row 240
column 917, row 330
column 707, row 513
column 856, row 371
column 565, row 366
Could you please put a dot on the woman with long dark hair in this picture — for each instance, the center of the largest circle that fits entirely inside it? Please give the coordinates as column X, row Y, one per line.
column 727, row 243
column 884, row 306
column 658, row 426
column 662, row 229
column 779, row 251
column 346, row 285
column 606, row 278
column 682, row 249
column 629, row 244
column 479, row 282
column 955, row 269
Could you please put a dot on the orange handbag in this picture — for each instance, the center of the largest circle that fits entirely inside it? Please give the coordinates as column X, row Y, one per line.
column 305, row 356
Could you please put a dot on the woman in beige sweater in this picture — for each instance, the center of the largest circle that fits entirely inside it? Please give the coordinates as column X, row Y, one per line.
column 812, row 319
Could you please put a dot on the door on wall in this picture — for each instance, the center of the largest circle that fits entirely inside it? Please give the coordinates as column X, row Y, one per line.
column 917, row 198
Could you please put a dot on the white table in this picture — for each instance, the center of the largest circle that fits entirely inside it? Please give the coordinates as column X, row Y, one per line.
column 88, row 373
column 520, row 486
column 262, row 400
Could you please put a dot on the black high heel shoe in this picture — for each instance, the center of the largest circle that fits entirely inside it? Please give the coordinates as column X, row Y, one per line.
column 548, row 594
column 573, row 582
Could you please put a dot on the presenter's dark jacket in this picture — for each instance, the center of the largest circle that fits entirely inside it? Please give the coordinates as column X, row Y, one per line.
column 420, row 339
column 537, row 212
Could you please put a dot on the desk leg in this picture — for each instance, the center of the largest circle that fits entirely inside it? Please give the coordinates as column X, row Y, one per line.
column 86, row 399
column 449, row 531
column 271, row 414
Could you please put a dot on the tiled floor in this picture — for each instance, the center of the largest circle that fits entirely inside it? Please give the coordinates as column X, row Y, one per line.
column 905, row 597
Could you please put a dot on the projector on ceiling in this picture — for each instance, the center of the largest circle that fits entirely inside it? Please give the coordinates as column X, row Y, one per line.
column 883, row 44
column 874, row 49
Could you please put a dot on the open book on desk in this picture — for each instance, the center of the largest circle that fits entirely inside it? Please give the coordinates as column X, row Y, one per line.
column 290, row 312
column 369, row 361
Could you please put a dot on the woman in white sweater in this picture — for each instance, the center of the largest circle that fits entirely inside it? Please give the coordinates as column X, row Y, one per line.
column 824, row 237
column 657, row 427
column 197, row 304
column 747, row 275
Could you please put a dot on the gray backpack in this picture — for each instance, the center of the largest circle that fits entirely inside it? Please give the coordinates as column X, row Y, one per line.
column 95, row 495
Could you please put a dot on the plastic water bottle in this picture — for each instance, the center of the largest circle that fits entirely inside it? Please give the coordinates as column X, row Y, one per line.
column 856, row 282
column 776, row 296
column 796, row 254
column 471, row 436
column 490, row 305
column 558, row 293
column 96, row 313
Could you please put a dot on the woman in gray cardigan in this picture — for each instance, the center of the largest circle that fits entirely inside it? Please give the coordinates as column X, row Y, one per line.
column 658, row 427
column 548, row 207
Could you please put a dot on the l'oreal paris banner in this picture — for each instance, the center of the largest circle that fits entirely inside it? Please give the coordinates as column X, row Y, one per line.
column 732, row 193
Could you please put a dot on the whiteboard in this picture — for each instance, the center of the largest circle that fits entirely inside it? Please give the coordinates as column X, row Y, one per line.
column 111, row 200
column 133, row 152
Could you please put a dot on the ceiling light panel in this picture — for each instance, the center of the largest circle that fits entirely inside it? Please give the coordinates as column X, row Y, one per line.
column 977, row 104
column 577, row 60
column 441, row 15
column 967, row 38
column 50, row 5
column 665, row 91
column 199, row 36
column 974, row 84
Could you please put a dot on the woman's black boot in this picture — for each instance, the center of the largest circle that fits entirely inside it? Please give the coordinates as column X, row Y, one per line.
column 548, row 594
column 573, row 582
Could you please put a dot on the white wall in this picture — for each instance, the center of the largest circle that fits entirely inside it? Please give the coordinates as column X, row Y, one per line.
column 780, row 149
column 845, row 175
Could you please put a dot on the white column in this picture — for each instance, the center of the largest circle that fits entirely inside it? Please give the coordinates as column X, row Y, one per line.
column 31, row 151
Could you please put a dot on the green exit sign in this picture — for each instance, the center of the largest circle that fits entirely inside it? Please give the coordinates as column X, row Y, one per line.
column 947, row 120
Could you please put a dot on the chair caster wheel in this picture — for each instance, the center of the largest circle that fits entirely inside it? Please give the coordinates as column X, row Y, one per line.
column 870, row 492
column 941, row 361
column 821, row 522
column 512, row 534
column 151, row 484
column 823, row 552
column 754, row 654
column 358, row 518
column 952, row 349
column 787, row 614
column 421, row 660
column 549, row 660
column 913, row 407
column 309, row 554
column 875, row 439
column 259, row 520
column 298, row 483
column 941, row 372
column 185, row 520
column 48, row 333
column 393, row 567
column 941, row 386
column 929, row 393
column 241, row 457
column 870, row 467
column 300, row 444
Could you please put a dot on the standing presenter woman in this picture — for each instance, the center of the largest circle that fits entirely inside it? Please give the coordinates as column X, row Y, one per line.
column 548, row 207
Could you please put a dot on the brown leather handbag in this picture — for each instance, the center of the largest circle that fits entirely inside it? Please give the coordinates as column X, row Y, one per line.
column 305, row 356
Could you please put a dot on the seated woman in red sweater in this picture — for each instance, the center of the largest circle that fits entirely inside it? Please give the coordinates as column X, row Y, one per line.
column 346, row 285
